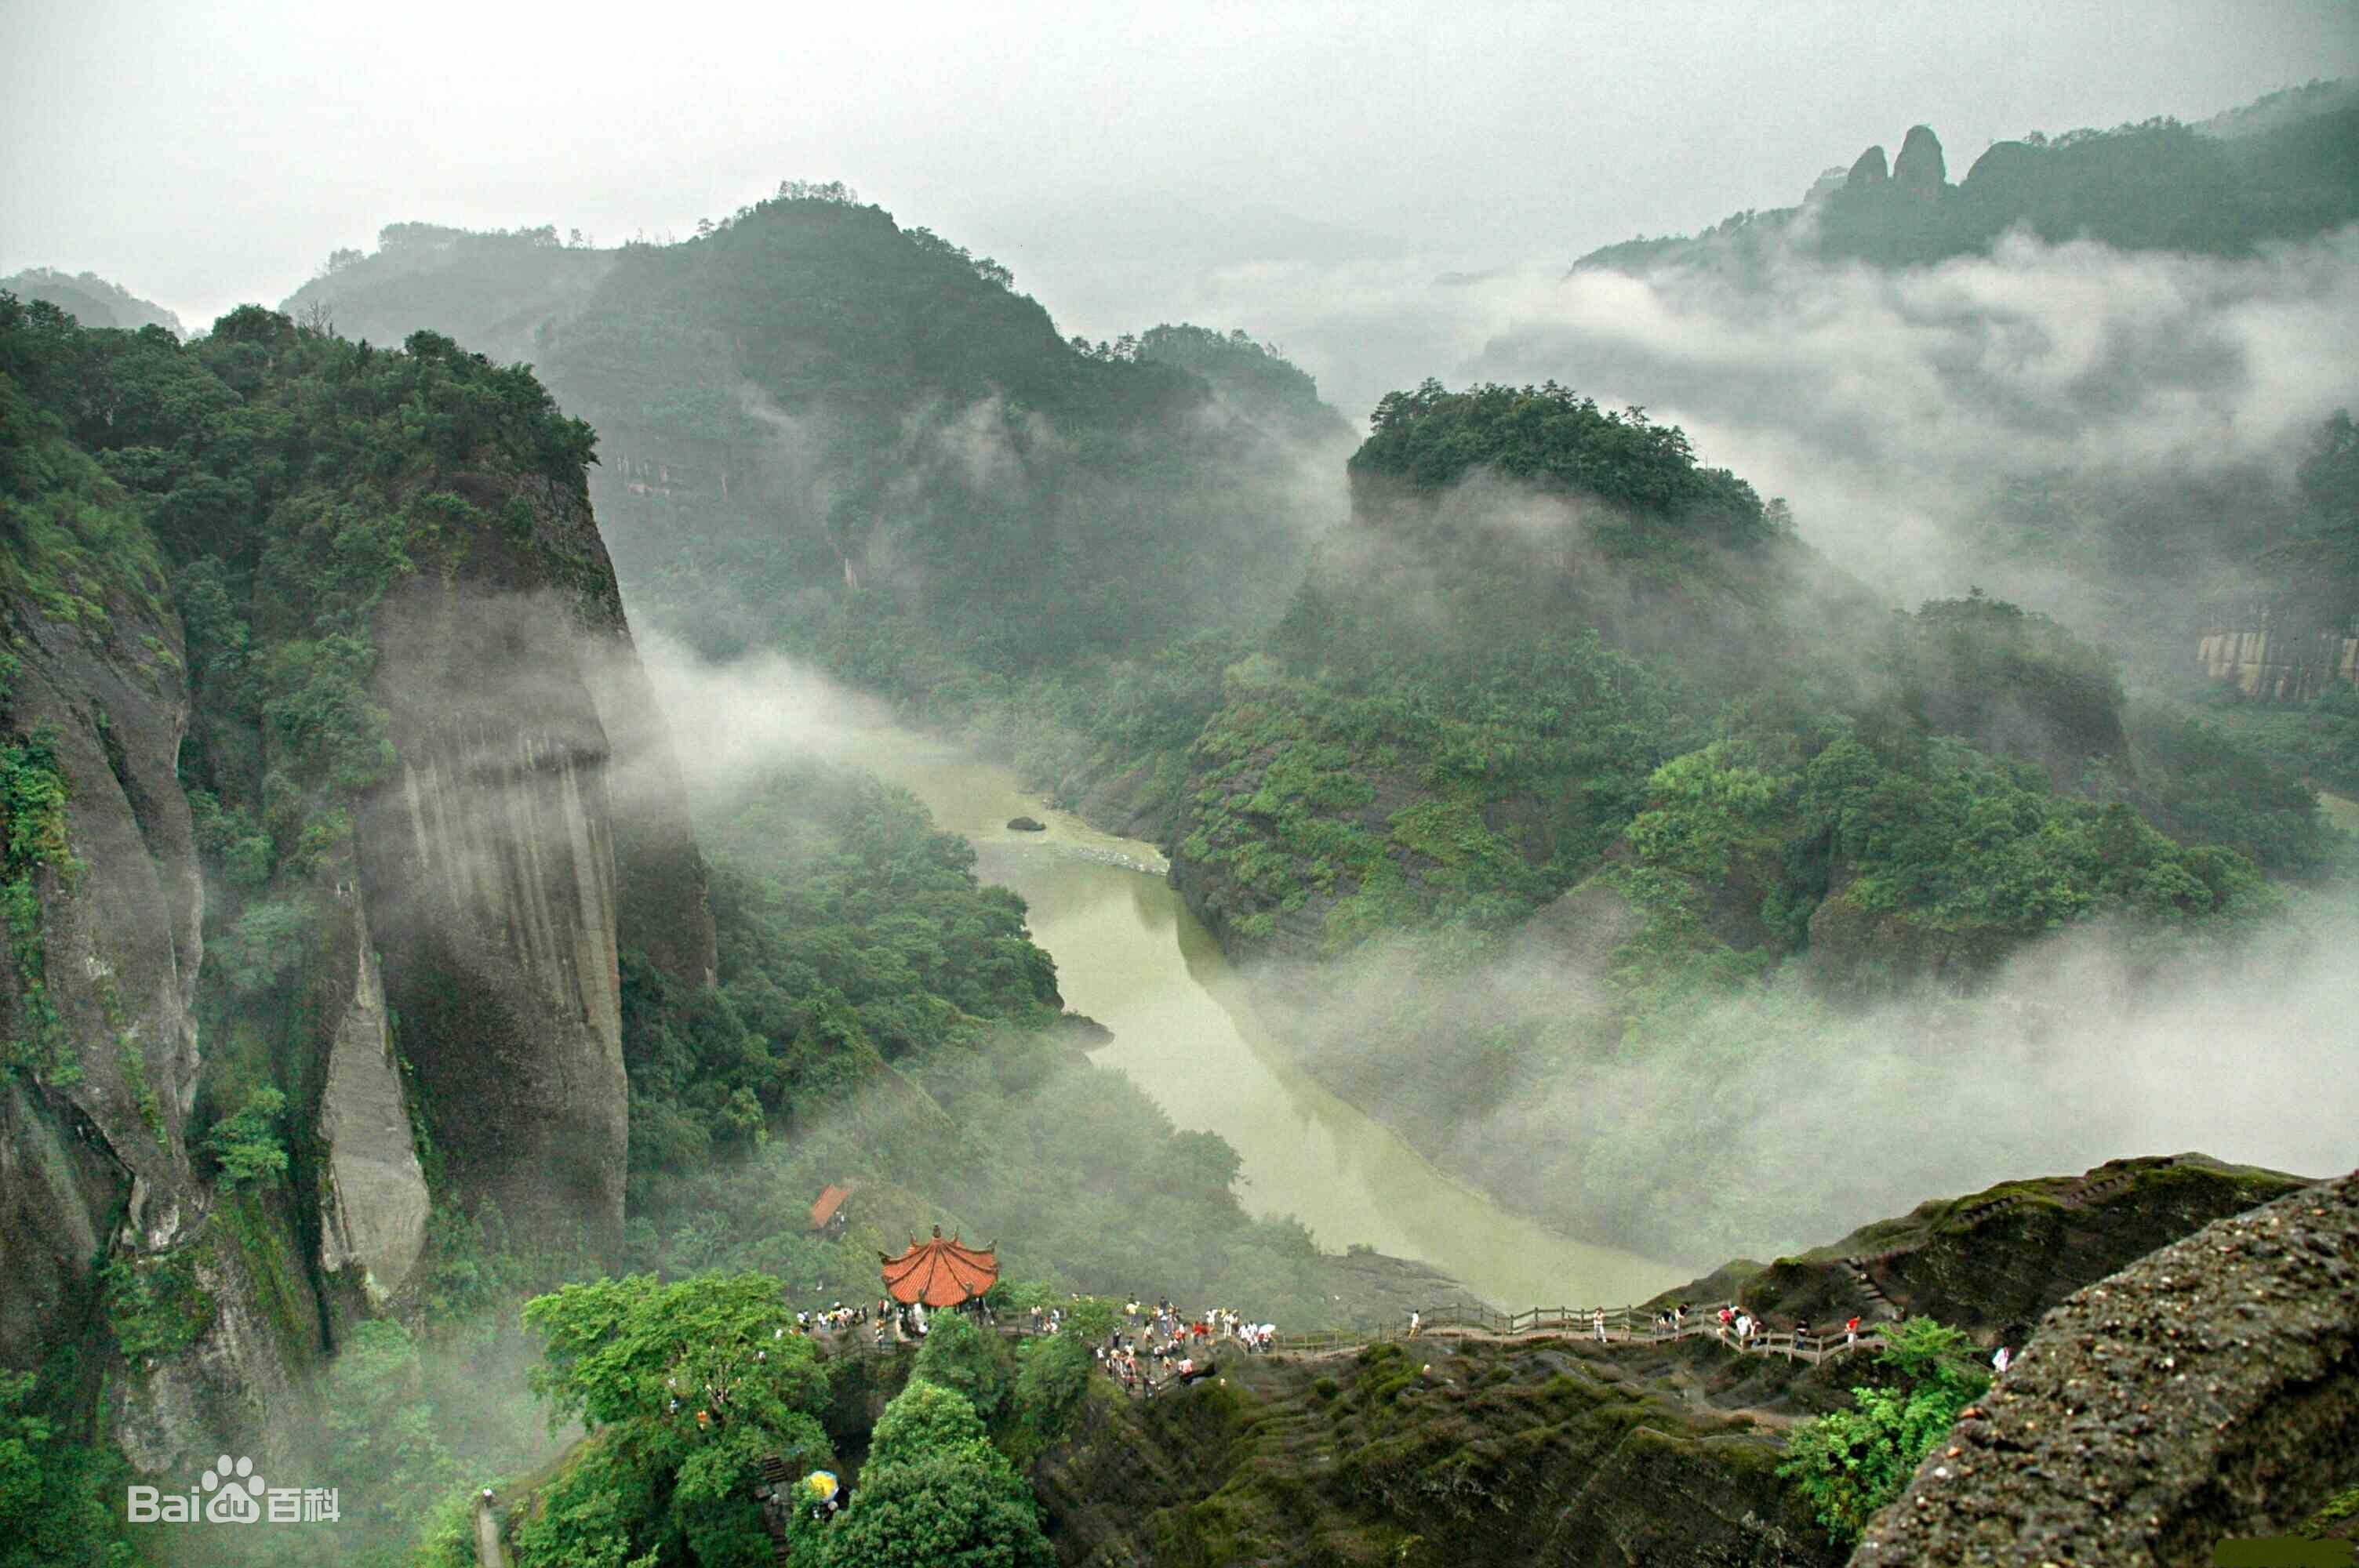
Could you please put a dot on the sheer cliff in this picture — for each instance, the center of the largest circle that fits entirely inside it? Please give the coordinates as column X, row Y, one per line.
column 2208, row 1391
column 333, row 793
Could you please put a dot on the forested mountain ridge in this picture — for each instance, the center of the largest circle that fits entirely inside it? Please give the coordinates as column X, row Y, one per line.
column 314, row 861
column 90, row 299
column 1569, row 760
column 807, row 399
column 1555, row 681
column 362, row 967
column 2156, row 185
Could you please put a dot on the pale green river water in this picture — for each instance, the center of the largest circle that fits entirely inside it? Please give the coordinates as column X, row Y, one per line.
column 1131, row 956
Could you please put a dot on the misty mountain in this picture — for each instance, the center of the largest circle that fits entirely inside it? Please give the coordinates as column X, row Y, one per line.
column 2100, row 376
column 2283, row 168
column 91, row 300
column 363, row 973
column 809, row 399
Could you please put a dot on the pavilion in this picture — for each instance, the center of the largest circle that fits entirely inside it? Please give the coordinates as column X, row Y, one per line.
column 939, row 1273
column 828, row 1209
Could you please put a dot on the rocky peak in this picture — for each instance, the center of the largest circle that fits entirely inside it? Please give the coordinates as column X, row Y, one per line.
column 1920, row 170
column 1869, row 172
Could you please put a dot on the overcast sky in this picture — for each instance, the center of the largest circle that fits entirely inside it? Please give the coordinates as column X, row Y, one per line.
column 1132, row 164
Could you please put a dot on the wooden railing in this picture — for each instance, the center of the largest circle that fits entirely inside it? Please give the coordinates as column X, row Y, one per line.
column 1621, row 1324
column 1629, row 1324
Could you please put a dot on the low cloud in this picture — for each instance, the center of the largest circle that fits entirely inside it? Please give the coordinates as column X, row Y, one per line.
column 1775, row 1120
column 1892, row 407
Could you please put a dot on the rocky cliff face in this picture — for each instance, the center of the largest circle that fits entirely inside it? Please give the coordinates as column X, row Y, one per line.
column 105, row 1217
column 98, row 982
column 1868, row 171
column 373, row 1201
column 1431, row 1454
column 2209, row 1391
column 521, row 845
column 495, row 875
column 398, row 763
column 1991, row 1262
column 488, row 865
column 1921, row 170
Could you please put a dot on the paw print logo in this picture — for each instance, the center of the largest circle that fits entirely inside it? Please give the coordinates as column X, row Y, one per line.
column 234, row 1486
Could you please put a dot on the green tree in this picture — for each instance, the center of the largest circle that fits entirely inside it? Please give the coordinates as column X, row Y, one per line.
column 1851, row 1463
column 384, row 1429
column 247, row 1146
column 1050, row 1387
column 968, row 1362
column 936, row 1494
column 61, row 1502
column 685, row 1388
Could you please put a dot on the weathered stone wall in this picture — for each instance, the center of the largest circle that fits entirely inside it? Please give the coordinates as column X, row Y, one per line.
column 373, row 1196
column 2210, row 1390
column 488, row 866
column 2261, row 663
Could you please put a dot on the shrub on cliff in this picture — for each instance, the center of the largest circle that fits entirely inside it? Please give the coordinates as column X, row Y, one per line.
column 1851, row 1463
column 685, row 1388
column 936, row 1494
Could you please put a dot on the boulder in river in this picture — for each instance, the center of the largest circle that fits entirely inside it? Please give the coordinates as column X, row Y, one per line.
column 1026, row 825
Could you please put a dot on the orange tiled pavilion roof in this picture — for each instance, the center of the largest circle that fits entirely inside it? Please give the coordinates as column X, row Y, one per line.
column 830, row 1199
column 939, row 1273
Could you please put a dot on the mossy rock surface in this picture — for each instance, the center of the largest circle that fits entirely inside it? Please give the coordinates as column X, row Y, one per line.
column 1992, row 1262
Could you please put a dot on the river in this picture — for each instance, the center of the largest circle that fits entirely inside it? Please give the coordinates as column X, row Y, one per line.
column 1131, row 956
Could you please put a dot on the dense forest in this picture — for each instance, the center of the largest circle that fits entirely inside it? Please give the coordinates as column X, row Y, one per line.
column 879, row 1016
column 1554, row 673
column 1565, row 805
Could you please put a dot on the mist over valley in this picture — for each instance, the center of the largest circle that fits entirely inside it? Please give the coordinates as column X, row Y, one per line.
column 1167, row 855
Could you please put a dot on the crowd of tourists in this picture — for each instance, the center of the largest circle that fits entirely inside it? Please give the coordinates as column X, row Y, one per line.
column 892, row 1320
column 1731, row 1324
column 1159, row 1345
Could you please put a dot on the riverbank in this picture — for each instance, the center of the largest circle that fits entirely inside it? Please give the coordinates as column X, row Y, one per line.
column 1131, row 956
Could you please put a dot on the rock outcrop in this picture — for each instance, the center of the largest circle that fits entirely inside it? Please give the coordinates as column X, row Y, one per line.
column 372, row 1200
column 1868, row 171
column 1991, row 1262
column 1921, row 170
column 99, row 991
column 417, row 919
column 1429, row 1453
column 489, row 868
column 2209, row 1391
column 103, row 1213
column 535, row 826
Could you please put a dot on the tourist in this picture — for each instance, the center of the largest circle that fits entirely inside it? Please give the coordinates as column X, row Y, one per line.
column 2000, row 1362
column 1597, row 1321
column 1851, row 1331
column 1416, row 1322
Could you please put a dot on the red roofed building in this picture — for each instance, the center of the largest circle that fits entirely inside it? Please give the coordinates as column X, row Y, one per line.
column 830, row 1199
column 939, row 1273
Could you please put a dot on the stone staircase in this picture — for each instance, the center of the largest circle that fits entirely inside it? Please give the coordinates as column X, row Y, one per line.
column 1878, row 1303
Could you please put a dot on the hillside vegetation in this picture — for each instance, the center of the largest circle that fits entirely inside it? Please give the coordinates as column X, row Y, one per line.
column 1557, row 695
column 244, row 520
column 821, row 428
column 2157, row 184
